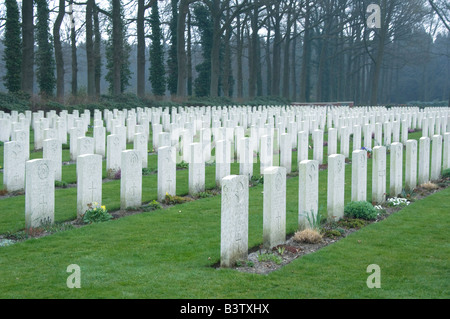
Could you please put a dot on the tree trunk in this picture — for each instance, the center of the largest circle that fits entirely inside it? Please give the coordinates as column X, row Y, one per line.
column 227, row 58
column 240, row 78
column 117, row 46
column 73, row 43
column 268, row 60
column 140, row 49
column 304, row 76
column 28, row 47
column 58, row 52
column 90, row 50
column 97, row 53
column 189, row 56
column 293, row 66
column 253, row 54
column 181, row 50
column 276, row 58
column 216, row 14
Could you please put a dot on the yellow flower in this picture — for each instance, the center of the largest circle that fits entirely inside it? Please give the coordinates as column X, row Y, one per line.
column 104, row 207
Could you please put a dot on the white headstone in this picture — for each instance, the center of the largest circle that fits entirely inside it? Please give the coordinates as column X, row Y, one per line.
column 39, row 193
column 140, row 144
column 446, row 161
column 85, row 146
column 246, row 157
column 411, row 165
column 274, row 220
column 359, row 176
column 424, row 160
column 100, row 140
column 303, row 146
column 308, row 206
column 436, row 158
column 336, row 187
column 286, row 152
column 379, row 175
column 89, row 182
column 332, row 141
column 131, row 179
column 234, row 220
column 113, row 155
column 14, row 166
column 52, row 150
column 396, row 167
column 166, row 172
column 223, row 154
column 318, row 146
column 196, row 170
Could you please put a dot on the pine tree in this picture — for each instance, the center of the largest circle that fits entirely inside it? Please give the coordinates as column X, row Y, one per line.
column 172, row 63
column 203, row 21
column 12, row 54
column 124, row 52
column 45, row 63
column 157, row 71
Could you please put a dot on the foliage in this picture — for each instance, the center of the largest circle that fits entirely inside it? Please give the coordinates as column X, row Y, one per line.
column 152, row 206
column 147, row 172
column 96, row 214
column 45, row 63
column 124, row 51
column 270, row 258
column 13, row 47
column 172, row 61
column 61, row 184
column 203, row 21
column 332, row 233
column 157, row 73
column 352, row 223
column 174, row 200
column 182, row 165
column 314, row 221
column 446, row 173
column 360, row 210
column 398, row 202
column 14, row 102
column 256, row 180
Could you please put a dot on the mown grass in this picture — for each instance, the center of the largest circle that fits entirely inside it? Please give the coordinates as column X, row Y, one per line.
column 170, row 253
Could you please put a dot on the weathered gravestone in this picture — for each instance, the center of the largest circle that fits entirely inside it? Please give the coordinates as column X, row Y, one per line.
column 234, row 220
column 308, row 206
column 274, row 220
column 130, row 179
column 39, row 193
column 89, row 182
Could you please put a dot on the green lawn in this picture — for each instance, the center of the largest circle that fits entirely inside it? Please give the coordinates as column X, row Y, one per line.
column 170, row 253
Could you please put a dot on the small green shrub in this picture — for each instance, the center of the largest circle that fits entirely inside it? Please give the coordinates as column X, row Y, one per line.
column 147, row 172
column 154, row 205
column 256, row 180
column 332, row 234
column 360, row 210
column 446, row 173
column 174, row 200
column 61, row 184
column 96, row 214
column 270, row 258
column 183, row 165
column 352, row 223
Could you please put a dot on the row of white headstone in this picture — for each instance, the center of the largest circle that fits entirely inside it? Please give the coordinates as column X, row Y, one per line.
column 191, row 152
column 235, row 194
